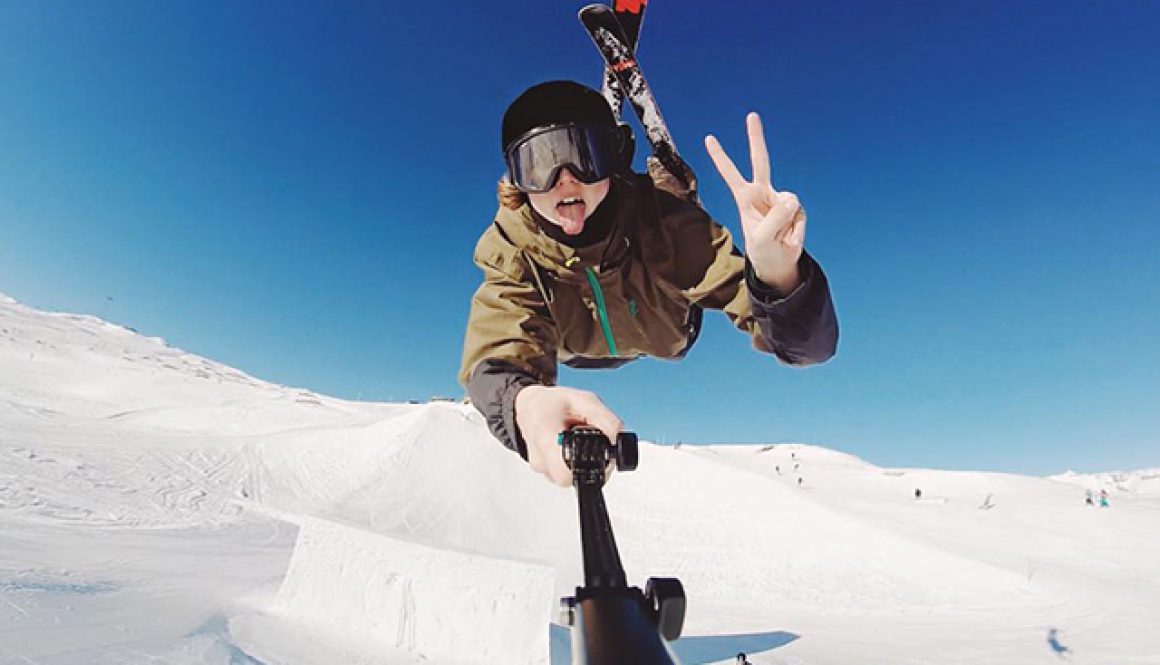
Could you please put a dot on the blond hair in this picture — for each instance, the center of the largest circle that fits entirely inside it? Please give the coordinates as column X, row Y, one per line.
column 510, row 197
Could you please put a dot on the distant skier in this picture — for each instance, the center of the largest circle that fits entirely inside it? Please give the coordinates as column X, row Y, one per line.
column 1103, row 498
column 917, row 494
column 987, row 503
column 742, row 660
column 1088, row 498
column 1053, row 641
column 592, row 265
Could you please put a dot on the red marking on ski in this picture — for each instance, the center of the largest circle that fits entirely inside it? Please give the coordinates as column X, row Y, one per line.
column 630, row 6
column 621, row 66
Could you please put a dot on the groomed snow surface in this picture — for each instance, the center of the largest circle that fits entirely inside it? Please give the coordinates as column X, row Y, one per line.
column 157, row 507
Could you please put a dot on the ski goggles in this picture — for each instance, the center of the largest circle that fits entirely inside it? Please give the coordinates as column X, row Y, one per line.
column 590, row 152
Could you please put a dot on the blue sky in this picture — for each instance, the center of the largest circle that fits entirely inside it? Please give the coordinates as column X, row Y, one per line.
column 295, row 189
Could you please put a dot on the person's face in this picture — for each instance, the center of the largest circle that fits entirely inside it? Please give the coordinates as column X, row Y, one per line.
column 569, row 202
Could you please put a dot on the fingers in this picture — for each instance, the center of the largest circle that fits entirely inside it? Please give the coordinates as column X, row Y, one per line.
column 594, row 413
column 784, row 211
column 725, row 166
column 546, row 460
column 794, row 233
column 550, row 463
column 758, row 156
column 559, row 473
column 758, row 153
column 798, row 236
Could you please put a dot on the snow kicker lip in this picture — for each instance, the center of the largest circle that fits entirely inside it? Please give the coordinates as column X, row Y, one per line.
column 453, row 606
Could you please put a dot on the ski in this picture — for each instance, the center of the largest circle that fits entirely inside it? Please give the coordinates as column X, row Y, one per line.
column 610, row 40
column 630, row 15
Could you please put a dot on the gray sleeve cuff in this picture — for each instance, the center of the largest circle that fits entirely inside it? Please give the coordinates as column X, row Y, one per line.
column 493, row 387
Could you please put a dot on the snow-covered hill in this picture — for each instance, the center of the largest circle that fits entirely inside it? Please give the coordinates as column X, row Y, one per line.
column 156, row 506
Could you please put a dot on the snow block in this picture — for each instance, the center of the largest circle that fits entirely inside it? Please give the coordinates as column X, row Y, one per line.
column 435, row 603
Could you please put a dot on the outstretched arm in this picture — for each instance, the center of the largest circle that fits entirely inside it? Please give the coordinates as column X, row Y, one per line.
column 789, row 293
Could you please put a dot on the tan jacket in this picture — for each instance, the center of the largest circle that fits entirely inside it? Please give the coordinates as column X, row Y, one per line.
column 639, row 292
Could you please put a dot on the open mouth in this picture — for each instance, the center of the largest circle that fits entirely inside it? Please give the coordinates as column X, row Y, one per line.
column 571, row 210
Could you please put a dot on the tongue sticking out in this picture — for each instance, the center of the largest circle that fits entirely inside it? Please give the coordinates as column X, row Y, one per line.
column 572, row 217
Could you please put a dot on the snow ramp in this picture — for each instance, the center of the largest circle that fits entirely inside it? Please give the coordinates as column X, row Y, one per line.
column 373, row 598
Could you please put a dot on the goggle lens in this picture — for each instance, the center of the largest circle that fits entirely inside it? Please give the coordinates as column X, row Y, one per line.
column 590, row 153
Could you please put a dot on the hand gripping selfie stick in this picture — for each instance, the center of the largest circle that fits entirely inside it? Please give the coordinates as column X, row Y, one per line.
column 613, row 623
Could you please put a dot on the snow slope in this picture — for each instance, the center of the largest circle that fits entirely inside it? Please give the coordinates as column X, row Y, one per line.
column 156, row 506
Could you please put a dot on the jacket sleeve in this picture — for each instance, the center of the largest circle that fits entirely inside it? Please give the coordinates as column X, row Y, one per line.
column 799, row 328
column 510, row 341
column 493, row 387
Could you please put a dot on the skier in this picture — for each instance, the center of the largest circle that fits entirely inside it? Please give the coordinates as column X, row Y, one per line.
column 593, row 265
column 1103, row 498
column 742, row 660
column 1088, row 498
column 1056, row 646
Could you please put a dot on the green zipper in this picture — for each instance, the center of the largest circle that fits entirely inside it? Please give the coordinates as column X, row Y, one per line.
column 601, row 310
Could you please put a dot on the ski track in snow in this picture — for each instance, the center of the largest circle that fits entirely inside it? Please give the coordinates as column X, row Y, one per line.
column 159, row 507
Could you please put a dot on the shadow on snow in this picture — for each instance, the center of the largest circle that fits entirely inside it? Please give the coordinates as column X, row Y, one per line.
column 693, row 650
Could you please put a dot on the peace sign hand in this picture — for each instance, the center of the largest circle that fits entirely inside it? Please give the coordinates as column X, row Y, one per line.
column 773, row 222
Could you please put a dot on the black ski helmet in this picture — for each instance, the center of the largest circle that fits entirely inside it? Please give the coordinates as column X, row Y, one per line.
column 558, row 103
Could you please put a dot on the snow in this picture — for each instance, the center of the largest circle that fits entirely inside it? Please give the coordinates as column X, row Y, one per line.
column 380, row 594
column 156, row 506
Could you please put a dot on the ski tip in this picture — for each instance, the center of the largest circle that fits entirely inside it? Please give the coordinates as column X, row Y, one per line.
column 592, row 10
